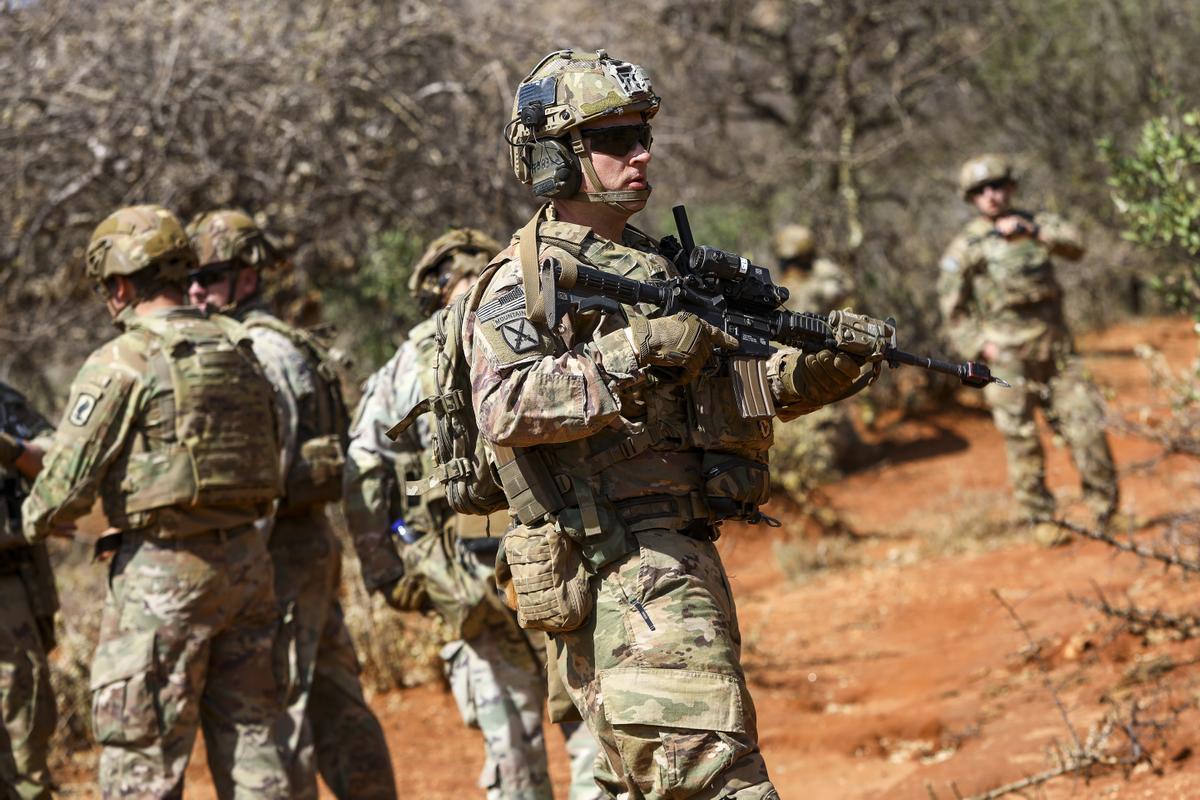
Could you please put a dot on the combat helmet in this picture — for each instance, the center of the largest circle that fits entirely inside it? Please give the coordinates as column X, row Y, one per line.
column 229, row 237
column 564, row 92
column 136, row 238
column 984, row 169
column 793, row 243
column 455, row 254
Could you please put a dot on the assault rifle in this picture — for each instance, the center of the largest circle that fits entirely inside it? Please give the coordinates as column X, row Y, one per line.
column 740, row 298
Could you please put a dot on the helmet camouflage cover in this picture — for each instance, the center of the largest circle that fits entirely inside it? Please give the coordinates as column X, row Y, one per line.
column 983, row 169
column 567, row 90
column 793, row 242
column 136, row 238
column 229, row 235
column 455, row 254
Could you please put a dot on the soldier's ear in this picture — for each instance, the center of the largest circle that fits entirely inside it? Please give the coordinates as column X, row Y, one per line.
column 246, row 283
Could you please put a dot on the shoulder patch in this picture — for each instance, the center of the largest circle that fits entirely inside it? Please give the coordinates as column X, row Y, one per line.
column 504, row 308
column 950, row 264
column 519, row 334
column 82, row 410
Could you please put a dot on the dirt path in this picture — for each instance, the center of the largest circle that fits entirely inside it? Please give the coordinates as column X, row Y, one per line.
column 902, row 671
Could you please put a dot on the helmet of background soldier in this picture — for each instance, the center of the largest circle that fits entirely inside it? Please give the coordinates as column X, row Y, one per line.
column 137, row 238
column 564, row 92
column 793, row 243
column 229, row 237
column 984, row 169
column 455, row 254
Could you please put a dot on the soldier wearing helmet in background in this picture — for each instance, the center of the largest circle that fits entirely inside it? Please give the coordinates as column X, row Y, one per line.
column 28, row 601
column 328, row 726
column 618, row 458
column 172, row 426
column 445, row 562
column 811, row 449
column 1001, row 302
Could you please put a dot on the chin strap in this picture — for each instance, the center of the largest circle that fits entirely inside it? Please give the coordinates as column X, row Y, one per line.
column 611, row 199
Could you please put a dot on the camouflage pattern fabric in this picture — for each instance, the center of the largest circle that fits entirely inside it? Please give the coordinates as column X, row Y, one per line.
column 187, row 642
column 498, row 681
column 190, row 592
column 1004, row 292
column 328, row 726
column 667, row 700
column 27, row 611
column 808, row 450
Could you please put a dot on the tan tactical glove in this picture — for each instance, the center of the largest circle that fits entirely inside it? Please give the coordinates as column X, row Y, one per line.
column 815, row 379
column 681, row 340
column 407, row 593
column 10, row 449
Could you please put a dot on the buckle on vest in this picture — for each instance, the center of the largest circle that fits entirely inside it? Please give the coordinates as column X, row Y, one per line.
column 451, row 401
column 455, row 468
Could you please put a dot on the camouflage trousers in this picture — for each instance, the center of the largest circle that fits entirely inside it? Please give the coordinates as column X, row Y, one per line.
column 186, row 642
column 1075, row 410
column 327, row 726
column 26, row 699
column 656, row 673
column 498, row 678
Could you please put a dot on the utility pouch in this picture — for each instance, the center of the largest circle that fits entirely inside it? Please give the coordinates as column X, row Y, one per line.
column 541, row 571
column 735, row 486
column 316, row 477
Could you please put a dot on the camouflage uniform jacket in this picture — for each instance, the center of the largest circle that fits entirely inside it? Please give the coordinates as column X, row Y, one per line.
column 117, row 422
column 824, row 288
column 1004, row 291
column 377, row 468
column 577, row 394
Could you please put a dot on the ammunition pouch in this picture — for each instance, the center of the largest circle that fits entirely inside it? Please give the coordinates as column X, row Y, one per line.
column 735, row 487
column 542, row 573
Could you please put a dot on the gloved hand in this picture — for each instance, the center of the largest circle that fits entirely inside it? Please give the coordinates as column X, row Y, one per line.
column 681, row 340
column 816, row 379
column 10, row 449
column 407, row 593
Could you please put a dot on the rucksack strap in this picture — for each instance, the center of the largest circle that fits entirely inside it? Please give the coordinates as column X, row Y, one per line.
column 527, row 254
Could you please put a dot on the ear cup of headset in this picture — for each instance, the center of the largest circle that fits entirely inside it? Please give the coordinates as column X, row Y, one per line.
column 553, row 168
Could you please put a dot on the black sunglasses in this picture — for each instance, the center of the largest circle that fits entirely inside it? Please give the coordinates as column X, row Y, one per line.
column 618, row 139
column 996, row 185
column 213, row 273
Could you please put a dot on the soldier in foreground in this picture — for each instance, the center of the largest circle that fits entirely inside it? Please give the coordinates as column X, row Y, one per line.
column 28, row 601
column 811, row 449
column 1001, row 301
column 172, row 426
column 617, row 459
column 495, row 669
column 328, row 725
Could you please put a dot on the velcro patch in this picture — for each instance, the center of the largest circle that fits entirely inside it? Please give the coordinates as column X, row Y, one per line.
column 82, row 410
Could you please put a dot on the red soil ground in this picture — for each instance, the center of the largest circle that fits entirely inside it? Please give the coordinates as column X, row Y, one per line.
column 902, row 673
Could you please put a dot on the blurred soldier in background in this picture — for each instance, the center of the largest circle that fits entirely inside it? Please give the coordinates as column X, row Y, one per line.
column 28, row 601
column 811, row 450
column 328, row 726
column 172, row 425
column 496, row 670
column 1002, row 303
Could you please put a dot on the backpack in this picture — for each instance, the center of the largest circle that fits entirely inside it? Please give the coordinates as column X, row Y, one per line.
column 316, row 474
column 462, row 467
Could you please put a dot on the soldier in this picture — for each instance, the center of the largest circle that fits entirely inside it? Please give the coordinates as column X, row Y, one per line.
column 814, row 283
column 617, row 460
column 28, row 601
column 1001, row 302
column 495, row 669
column 172, row 426
column 811, row 449
column 328, row 725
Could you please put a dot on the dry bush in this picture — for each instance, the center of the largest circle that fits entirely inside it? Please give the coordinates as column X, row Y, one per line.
column 802, row 559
